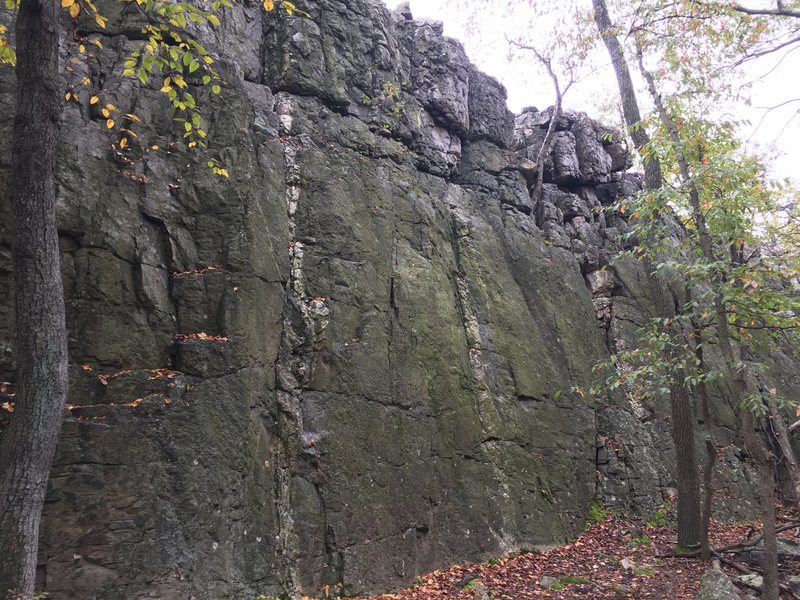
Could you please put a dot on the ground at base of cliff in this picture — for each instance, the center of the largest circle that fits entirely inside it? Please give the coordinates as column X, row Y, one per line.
column 617, row 557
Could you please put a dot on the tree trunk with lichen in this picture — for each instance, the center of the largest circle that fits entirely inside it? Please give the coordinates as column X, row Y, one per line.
column 27, row 447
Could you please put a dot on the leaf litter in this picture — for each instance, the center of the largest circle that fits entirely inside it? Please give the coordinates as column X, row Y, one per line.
column 619, row 557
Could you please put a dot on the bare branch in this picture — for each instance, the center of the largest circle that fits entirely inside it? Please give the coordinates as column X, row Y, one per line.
column 779, row 11
column 765, row 51
column 549, row 138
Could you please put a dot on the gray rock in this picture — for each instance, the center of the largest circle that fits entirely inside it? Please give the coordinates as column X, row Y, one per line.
column 716, row 585
column 601, row 282
column 489, row 117
column 752, row 581
column 788, row 550
column 547, row 582
column 404, row 10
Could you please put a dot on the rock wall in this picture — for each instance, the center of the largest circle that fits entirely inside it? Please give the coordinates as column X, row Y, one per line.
column 360, row 357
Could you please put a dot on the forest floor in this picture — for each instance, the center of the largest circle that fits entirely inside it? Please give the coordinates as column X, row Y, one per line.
column 616, row 557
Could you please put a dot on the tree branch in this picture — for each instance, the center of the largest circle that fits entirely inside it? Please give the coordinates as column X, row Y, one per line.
column 779, row 11
column 549, row 138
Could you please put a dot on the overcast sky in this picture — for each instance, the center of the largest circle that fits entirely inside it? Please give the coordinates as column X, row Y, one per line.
column 595, row 94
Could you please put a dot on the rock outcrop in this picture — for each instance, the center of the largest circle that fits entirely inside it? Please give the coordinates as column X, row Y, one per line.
column 362, row 356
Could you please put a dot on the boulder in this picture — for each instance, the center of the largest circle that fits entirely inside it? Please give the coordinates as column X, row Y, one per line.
column 716, row 585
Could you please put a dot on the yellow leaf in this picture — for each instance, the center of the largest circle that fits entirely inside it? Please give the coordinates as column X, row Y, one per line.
column 153, row 147
column 166, row 89
column 269, row 5
column 101, row 21
column 67, row 3
column 82, row 49
column 94, row 100
column 133, row 117
column 106, row 112
column 74, row 9
column 67, row 96
column 123, row 142
column 111, row 107
column 109, row 123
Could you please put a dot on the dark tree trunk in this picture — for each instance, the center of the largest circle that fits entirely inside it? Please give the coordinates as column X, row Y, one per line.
column 711, row 448
column 689, row 521
column 689, row 516
column 28, row 444
column 627, row 93
column 767, row 467
column 780, row 431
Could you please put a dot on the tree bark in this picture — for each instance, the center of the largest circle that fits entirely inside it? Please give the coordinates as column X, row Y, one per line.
column 627, row 93
column 781, row 433
column 28, row 445
column 711, row 449
column 689, row 516
column 770, row 590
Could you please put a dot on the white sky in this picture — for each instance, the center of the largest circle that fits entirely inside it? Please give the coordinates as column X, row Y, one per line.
column 597, row 93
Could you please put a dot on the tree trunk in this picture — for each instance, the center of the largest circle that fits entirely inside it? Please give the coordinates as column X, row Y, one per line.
column 627, row 94
column 28, row 445
column 765, row 464
column 767, row 467
column 781, row 434
column 689, row 517
column 689, row 521
column 711, row 449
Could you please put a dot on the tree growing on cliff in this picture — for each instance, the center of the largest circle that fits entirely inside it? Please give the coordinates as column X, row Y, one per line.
column 562, row 63
column 28, row 444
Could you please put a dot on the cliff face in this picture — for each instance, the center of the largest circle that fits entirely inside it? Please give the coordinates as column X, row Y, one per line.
column 360, row 357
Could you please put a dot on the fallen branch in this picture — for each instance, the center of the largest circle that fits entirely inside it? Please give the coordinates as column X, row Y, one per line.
column 748, row 571
column 733, row 547
column 755, row 540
